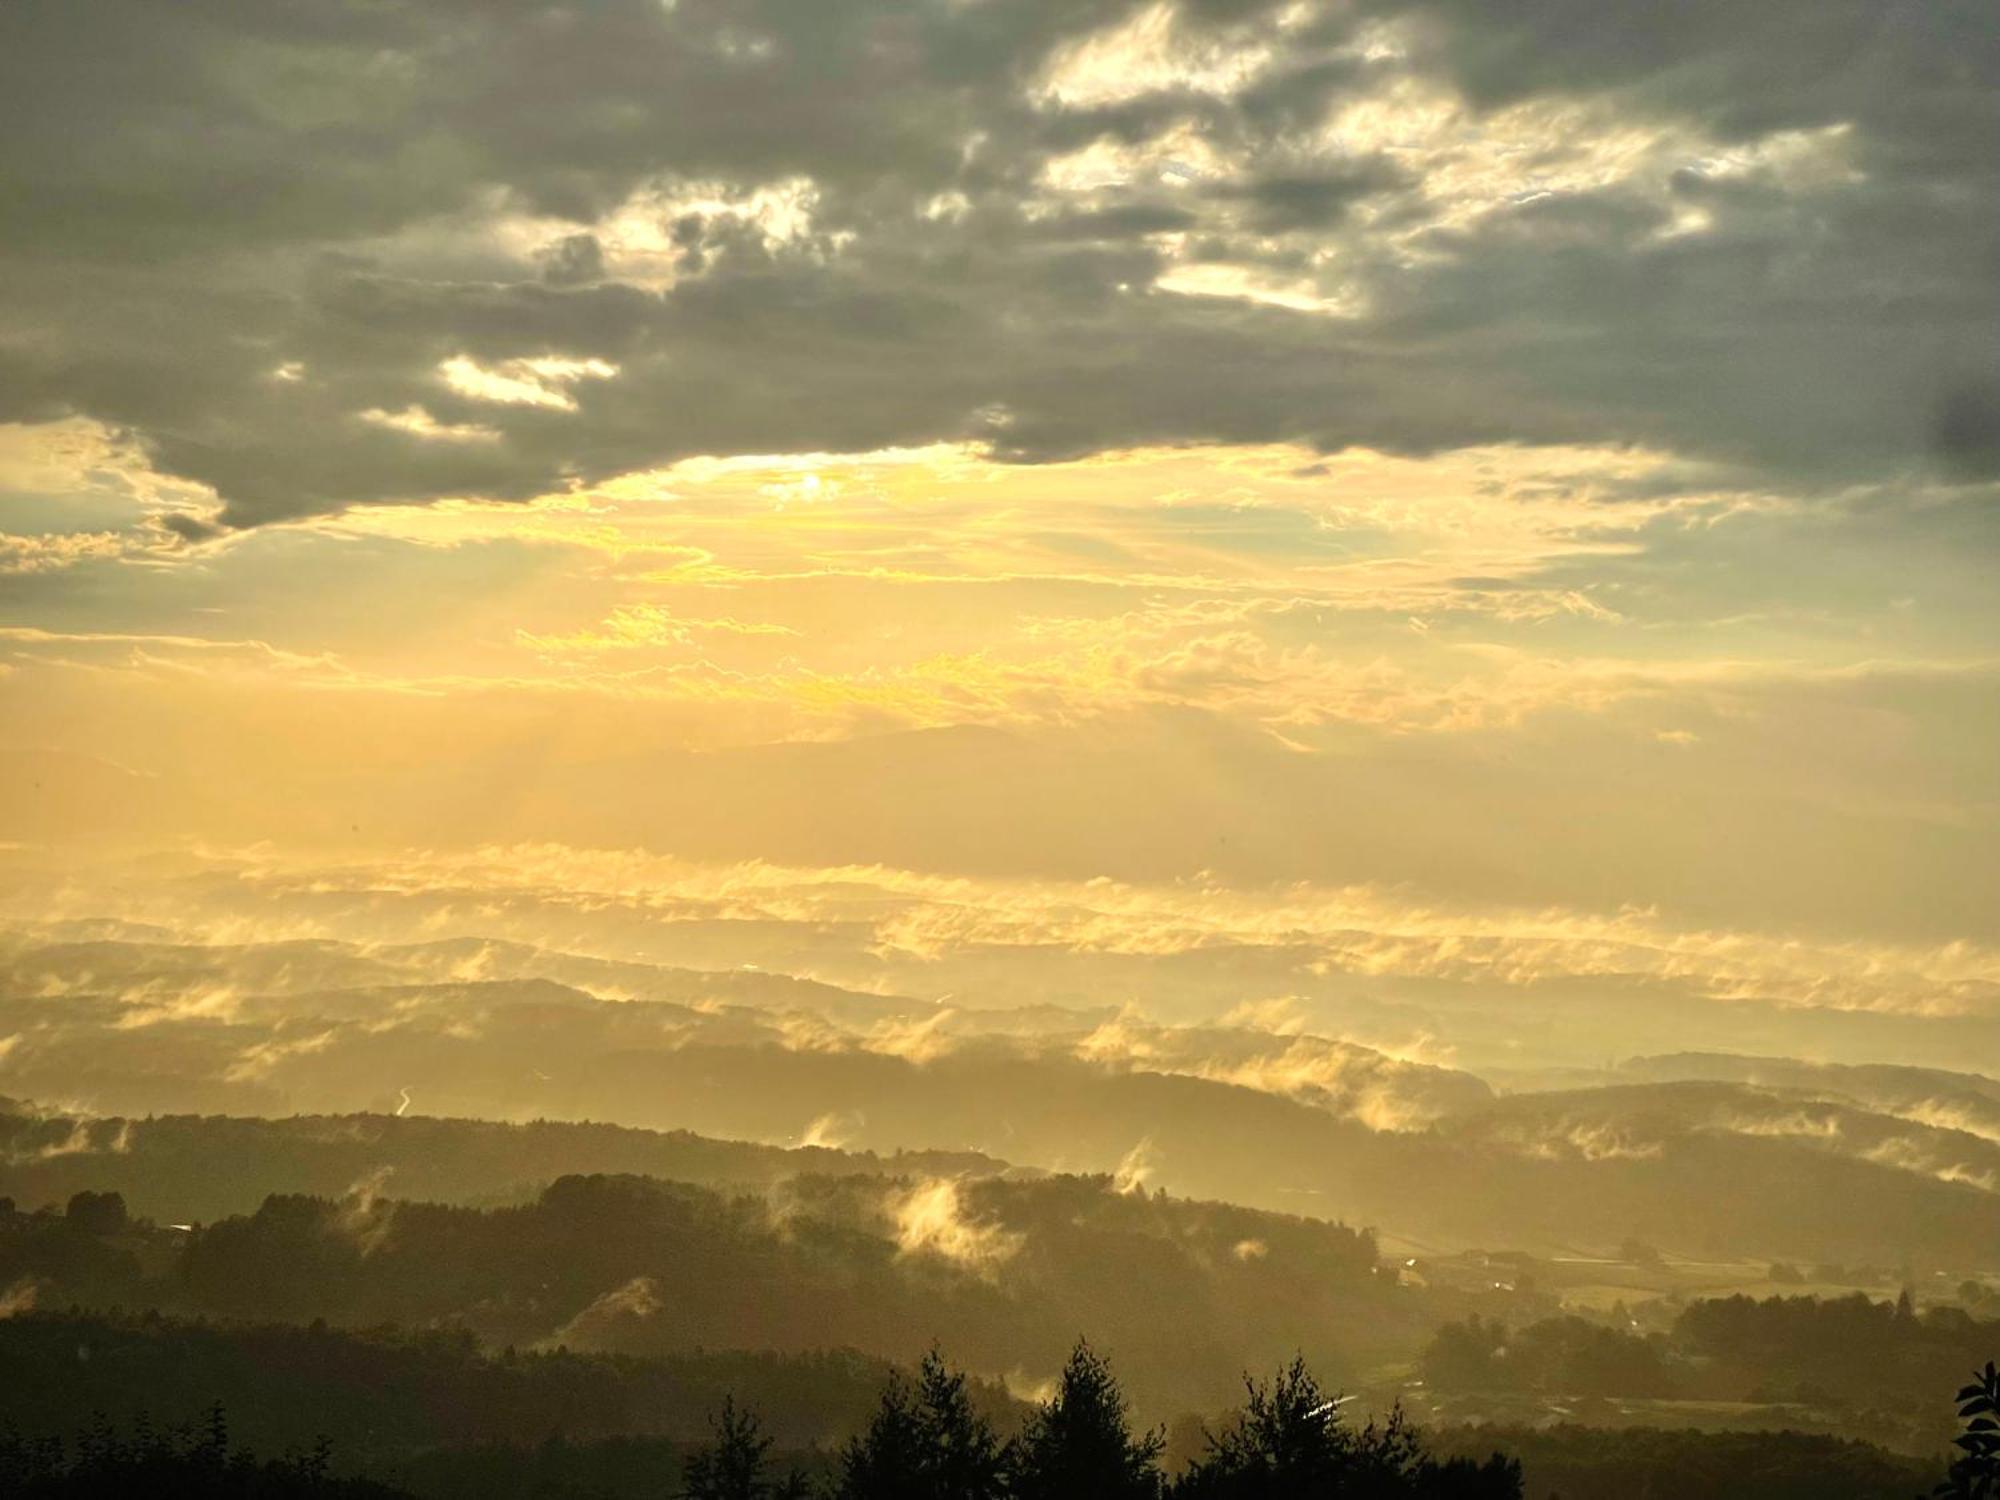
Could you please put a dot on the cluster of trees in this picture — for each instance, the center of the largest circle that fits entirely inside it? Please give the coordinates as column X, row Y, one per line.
column 1005, row 1270
column 1564, row 1355
column 168, row 1165
column 427, row 1414
column 431, row 1412
column 383, row 1396
column 1653, row 1463
column 196, row 1462
column 87, row 1251
column 1832, row 1273
column 1804, row 1349
column 1834, row 1338
column 927, row 1441
column 1873, row 1363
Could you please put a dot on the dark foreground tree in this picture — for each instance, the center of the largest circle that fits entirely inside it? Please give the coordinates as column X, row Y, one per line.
column 925, row 1443
column 735, row 1466
column 97, row 1213
column 1976, row 1473
column 1290, row 1444
column 1081, row 1444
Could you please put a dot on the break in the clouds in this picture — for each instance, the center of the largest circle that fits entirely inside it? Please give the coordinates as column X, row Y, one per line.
column 306, row 256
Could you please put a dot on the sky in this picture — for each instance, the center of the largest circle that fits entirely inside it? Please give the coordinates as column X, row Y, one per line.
column 1304, row 474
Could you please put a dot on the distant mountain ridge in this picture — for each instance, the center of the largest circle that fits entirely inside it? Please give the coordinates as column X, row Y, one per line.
column 1776, row 1160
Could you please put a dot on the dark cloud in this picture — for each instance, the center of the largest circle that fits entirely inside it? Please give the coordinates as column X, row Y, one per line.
column 202, row 195
column 1287, row 201
column 189, row 528
column 1967, row 428
column 574, row 260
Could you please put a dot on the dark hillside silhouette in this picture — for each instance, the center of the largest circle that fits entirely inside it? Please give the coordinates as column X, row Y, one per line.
column 195, row 1462
column 1007, row 1270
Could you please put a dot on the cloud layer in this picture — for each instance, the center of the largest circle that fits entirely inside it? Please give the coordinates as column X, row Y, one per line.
column 1532, row 465
column 317, row 257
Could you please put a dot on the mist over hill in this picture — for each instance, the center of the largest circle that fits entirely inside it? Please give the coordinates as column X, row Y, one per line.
column 1777, row 1160
column 182, row 1168
column 1961, row 1101
column 1006, row 1272
column 622, row 1158
column 611, row 1158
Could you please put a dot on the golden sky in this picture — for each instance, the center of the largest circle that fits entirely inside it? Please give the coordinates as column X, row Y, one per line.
column 1362, row 460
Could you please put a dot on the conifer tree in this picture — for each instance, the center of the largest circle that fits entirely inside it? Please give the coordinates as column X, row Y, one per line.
column 964, row 1455
column 1289, row 1444
column 924, row 1443
column 732, row 1467
column 1080, row 1443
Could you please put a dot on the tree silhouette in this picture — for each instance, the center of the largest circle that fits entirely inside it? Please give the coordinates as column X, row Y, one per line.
column 1079, row 1443
column 965, row 1456
column 1286, row 1441
column 1976, row 1473
column 925, row 1443
column 733, row 1467
column 97, row 1213
column 885, row 1462
column 1289, row 1444
column 193, row 1462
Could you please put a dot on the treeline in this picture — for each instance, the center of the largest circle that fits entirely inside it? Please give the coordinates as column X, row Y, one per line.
column 1644, row 1463
column 1840, row 1345
column 1779, row 1349
column 194, row 1462
column 1562, row 1356
column 927, row 1441
column 929, row 1438
column 386, row 1394
column 1499, row 1172
column 1007, row 1271
column 207, row 1167
column 1850, row 1363
column 427, row 1414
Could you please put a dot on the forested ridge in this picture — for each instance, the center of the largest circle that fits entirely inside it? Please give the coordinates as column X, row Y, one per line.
column 416, row 1416
column 1008, row 1271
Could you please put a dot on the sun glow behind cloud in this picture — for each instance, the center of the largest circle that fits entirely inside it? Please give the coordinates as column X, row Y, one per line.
column 1278, row 453
column 1250, row 623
